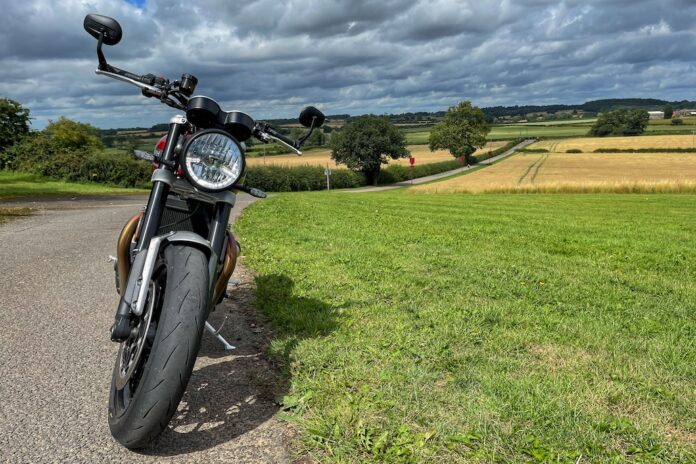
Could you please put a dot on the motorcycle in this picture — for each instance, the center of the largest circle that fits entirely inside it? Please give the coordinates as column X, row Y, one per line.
column 175, row 259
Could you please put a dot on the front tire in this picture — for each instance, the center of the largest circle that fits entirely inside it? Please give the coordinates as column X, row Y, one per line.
column 141, row 409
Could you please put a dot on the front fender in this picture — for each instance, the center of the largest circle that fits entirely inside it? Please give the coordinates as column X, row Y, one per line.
column 189, row 238
column 144, row 265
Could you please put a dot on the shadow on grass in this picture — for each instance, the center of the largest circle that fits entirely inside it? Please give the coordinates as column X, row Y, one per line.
column 232, row 393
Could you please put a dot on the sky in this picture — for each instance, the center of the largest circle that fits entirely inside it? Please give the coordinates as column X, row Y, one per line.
column 270, row 58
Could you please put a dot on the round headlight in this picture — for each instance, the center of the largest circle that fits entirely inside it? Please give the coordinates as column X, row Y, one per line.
column 213, row 160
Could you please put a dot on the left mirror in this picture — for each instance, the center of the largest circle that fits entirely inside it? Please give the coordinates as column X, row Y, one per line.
column 311, row 116
column 97, row 24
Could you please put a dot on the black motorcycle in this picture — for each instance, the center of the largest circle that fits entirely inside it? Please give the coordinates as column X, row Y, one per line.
column 174, row 260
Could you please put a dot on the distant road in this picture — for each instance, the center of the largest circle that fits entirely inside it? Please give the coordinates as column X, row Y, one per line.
column 423, row 180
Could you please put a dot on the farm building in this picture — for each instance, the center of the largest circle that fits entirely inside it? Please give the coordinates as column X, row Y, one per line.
column 684, row 113
column 656, row 114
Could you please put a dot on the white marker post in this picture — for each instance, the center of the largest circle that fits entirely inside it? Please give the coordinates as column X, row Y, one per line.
column 327, row 173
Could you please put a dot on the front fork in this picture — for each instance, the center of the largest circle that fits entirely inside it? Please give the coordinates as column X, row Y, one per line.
column 162, row 179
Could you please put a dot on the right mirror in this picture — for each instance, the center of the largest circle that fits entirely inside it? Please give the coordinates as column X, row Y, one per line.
column 110, row 28
column 310, row 114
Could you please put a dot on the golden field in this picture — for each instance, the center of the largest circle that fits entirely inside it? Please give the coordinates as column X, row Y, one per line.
column 422, row 154
column 588, row 172
column 589, row 144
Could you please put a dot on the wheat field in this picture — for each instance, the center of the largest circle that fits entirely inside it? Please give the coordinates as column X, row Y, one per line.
column 588, row 173
column 422, row 154
column 589, row 144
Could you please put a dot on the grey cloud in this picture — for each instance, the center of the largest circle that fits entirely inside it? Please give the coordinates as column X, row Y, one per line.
column 270, row 58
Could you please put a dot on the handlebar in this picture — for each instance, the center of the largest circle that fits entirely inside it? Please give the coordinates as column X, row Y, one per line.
column 264, row 132
column 149, row 84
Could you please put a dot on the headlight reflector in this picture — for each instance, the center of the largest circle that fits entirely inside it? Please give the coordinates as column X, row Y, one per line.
column 213, row 160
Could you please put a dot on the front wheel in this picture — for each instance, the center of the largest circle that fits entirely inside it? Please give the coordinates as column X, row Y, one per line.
column 154, row 365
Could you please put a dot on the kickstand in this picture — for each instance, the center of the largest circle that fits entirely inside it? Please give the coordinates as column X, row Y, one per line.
column 212, row 330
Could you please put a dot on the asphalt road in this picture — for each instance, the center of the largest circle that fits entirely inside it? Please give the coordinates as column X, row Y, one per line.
column 57, row 301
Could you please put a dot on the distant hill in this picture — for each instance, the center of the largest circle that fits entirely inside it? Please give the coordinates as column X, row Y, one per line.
column 492, row 113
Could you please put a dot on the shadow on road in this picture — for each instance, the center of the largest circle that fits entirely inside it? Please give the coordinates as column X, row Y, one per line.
column 233, row 393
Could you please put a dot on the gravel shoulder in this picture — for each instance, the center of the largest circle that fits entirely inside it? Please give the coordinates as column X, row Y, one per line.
column 57, row 298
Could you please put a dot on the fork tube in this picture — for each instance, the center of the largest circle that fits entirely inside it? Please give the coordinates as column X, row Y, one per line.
column 162, row 179
column 161, row 184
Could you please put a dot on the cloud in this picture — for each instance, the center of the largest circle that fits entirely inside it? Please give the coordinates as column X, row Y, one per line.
column 271, row 58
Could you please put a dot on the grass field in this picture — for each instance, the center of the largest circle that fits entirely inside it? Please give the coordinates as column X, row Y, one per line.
column 14, row 184
column 589, row 144
column 583, row 173
column 495, row 328
column 422, row 154
column 513, row 131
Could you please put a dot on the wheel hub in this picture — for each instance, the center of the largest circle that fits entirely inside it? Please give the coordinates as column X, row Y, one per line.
column 131, row 350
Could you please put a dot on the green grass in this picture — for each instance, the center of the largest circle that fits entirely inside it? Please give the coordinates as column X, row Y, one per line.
column 16, row 184
column 488, row 328
column 421, row 137
column 512, row 131
column 665, row 129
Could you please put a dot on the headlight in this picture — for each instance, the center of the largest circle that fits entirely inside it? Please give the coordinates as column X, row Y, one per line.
column 213, row 160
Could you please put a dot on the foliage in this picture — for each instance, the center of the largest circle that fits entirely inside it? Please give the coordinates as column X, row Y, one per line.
column 668, row 110
column 500, row 328
column 398, row 173
column 462, row 131
column 14, row 122
column 366, row 143
column 273, row 178
column 620, row 122
column 41, row 154
column 677, row 121
column 73, row 135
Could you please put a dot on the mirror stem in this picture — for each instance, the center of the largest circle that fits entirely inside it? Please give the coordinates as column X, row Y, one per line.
column 309, row 132
column 100, row 55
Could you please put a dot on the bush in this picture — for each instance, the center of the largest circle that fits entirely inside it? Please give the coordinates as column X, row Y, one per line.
column 574, row 150
column 300, row 178
column 677, row 121
column 398, row 173
column 40, row 154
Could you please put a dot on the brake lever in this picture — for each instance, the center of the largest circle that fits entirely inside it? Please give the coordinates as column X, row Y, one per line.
column 265, row 137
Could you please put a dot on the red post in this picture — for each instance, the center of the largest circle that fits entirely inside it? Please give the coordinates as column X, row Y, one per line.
column 411, row 162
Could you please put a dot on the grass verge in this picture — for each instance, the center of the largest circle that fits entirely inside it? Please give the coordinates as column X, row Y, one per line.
column 17, row 184
column 495, row 328
column 7, row 214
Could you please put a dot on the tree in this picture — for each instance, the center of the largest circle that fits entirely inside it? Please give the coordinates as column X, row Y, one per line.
column 669, row 111
column 620, row 122
column 70, row 134
column 635, row 123
column 462, row 131
column 677, row 121
column 14, row 122
column 366, row 143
